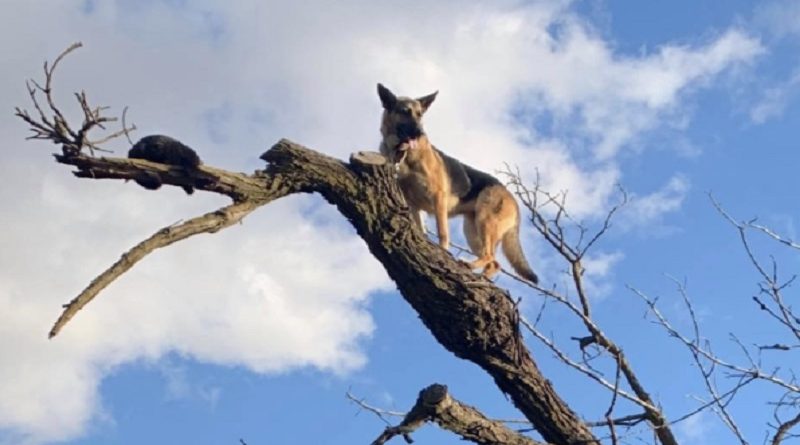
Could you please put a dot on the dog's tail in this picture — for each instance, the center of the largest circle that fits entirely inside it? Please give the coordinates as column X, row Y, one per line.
column 513, row 251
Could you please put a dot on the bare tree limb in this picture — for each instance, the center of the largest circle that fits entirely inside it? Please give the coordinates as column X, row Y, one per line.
column 583, row 369
column 379, row 412
column 610, row 410
column 771, row 287
column 55, row 128
column 382, row 413
column 704, row 353
column 434, row 404
column 554, row 231
column 208, row 223
column 707, row 372
column 784, row 429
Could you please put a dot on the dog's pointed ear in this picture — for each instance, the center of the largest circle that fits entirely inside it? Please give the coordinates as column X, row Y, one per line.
column 388, row 99
column 426, row 101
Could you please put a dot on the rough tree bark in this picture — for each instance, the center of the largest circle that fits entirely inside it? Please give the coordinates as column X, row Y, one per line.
column 434, row 404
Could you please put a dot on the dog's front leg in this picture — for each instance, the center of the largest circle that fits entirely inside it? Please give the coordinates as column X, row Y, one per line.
column 441, row 220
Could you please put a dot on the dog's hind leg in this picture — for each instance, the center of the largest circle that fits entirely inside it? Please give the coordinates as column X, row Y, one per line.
column 478, row 245
column 471, row 234
column 483, row 242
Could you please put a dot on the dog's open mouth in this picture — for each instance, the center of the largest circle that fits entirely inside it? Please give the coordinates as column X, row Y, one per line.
column 410, row 135
column 403, row 148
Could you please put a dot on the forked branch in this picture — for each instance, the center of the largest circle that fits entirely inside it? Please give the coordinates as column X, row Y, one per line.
column 553, row 222
column 53, row 126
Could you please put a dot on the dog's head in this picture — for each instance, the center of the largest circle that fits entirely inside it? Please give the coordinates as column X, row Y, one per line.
column 402, row 122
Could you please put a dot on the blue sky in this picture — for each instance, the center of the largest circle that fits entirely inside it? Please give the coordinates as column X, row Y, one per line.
column 259, row 331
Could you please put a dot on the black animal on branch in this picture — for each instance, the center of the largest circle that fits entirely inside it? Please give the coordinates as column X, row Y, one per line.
column 164, row 150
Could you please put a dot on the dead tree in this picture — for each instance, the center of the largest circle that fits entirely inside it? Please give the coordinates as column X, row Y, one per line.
column 467, row 314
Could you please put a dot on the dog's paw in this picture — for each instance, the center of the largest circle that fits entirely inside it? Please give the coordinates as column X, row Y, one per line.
column 467, row 263
column 491, row 270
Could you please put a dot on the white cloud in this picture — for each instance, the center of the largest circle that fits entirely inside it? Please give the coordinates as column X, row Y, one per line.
column 598, row 267
column 287, row 288
column 601, row 101
column 779, row 18
column 775, row 99
column 696, row 429
column 180, row 387
column 648, row 209
column 269, row 299
column 779, row 21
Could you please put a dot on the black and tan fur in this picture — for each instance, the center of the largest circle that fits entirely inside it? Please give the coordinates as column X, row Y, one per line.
column 437, row 184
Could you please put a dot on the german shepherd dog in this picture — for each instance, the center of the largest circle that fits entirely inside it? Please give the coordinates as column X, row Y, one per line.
column 442, row 186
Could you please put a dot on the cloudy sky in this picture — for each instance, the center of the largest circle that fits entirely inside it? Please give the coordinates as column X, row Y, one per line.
column 257, row 332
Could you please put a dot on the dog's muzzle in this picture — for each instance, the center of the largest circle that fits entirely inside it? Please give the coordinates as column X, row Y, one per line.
column 408, row 130
column 408, row 134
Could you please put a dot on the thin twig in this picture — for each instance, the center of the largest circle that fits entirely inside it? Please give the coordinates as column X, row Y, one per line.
column 53, row 126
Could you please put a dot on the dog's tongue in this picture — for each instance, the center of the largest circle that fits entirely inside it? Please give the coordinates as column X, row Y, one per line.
column 412, row 144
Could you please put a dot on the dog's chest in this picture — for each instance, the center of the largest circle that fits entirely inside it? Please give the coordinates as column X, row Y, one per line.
column 423, row 185
column 417, row 188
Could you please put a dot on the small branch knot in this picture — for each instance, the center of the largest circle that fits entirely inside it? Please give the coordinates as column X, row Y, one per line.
column 367, row 158
column 433, row 395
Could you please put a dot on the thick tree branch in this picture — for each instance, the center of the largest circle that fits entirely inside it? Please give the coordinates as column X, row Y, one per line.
column 467, row 314
column 434, row 404
column 238, row 186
